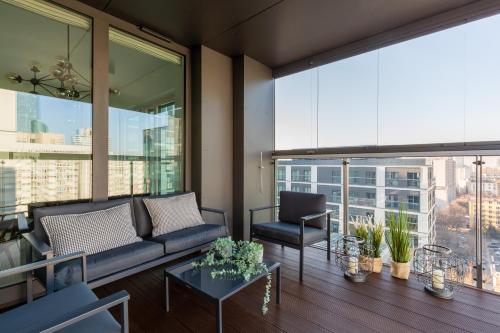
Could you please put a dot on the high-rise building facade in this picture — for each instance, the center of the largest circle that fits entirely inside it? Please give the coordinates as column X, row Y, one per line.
column 377, row 188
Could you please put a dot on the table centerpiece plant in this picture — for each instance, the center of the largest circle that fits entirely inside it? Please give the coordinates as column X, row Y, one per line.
column 242, row 259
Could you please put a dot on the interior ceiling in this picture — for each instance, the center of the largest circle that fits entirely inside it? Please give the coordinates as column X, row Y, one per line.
column 274, row 32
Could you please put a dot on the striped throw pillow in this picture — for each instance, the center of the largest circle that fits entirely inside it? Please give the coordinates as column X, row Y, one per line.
column 91, row 232
column 173, row 213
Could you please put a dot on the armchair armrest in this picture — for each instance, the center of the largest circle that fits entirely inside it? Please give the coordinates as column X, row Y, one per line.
column 253, row 210
column 119, row 298
column 39, row 246
column 49, row 265
column 263, row 208
column 41, row 264
column 217, row 211
column 22, row 223
column 314, row 216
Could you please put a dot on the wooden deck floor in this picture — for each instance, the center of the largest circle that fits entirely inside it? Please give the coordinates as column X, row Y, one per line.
column 324, row 302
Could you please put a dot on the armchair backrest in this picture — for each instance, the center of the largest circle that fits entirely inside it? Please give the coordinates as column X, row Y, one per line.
column 295, row 205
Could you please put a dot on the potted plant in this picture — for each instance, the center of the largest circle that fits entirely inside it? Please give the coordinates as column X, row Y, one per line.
column 376, row 235
column 243, row 259
column 362, row 231
column 399, row 242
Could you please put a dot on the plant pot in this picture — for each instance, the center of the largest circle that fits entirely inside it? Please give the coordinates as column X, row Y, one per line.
column 377, row 265
column 400, row 270
column 366, row 263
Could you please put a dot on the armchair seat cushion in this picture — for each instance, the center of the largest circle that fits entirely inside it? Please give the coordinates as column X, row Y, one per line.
column 288, row 232
column 187, row 238
column 108, row 262
column 48, row 308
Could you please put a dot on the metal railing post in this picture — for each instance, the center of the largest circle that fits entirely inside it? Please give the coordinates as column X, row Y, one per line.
column 478, row 220
column 345, row 196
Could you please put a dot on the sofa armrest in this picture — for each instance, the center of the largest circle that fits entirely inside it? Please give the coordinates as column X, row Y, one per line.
column 38, row 245
column 217, row 211
column 120, row 298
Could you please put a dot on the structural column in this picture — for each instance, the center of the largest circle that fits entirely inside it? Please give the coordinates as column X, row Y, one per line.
column 253, row 142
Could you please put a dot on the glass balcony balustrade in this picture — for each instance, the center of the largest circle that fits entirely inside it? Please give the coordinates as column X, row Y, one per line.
column 391, row 204
column 367, row 181
column 402, row 182
column 370, row 202
column 301, row 178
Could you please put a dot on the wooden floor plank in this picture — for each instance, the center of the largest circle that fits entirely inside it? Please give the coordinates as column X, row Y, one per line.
column 325, row 302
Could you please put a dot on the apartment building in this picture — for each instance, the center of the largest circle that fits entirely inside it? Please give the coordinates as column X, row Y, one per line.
column 377, row 188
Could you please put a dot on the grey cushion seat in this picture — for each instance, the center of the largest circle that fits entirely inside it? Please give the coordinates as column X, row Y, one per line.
column 190, row 237
column 42, row 311
column 288, row 232
column 108, row 262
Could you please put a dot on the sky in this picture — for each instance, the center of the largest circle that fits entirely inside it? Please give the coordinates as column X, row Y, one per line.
column 443, row 87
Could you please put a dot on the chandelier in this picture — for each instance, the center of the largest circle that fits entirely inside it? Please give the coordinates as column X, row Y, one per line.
column 63, row 81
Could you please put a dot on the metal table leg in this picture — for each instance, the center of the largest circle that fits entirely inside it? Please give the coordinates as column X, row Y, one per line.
column 218, row 317
column 167, row 292
column 278, row 285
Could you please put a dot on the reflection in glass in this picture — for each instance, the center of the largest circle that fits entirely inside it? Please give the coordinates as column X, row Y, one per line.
column 46, row 129
column 145, row 117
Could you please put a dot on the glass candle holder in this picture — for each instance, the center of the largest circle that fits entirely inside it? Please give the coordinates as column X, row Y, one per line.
column 439, row 270
column 354, row 257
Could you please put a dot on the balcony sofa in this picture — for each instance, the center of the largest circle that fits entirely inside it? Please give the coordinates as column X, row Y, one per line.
column 114, row 264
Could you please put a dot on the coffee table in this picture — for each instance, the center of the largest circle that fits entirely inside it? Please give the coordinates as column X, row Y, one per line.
column 215, row 290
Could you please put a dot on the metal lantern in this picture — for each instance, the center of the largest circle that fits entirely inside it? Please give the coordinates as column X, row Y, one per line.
column 354, row 257
column 441, row 272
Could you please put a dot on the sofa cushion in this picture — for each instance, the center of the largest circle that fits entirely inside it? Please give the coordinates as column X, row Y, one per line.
column 295, row 205
column 190, row 237
column 48, row 308
column 108, row 262
column 173, row 213
column 77, row 208
column 91, row 232
column 143, row 223
column 289, row 232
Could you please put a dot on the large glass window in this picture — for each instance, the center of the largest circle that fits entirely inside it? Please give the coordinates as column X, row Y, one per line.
column 45, row 105
column 146, row 117
column 439, row 88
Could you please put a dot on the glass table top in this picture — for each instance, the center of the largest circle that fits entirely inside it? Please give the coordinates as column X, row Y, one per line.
column 13, row 254
column 218, row 288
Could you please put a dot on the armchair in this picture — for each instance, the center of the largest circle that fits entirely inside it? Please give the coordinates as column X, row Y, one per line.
column 303, row 221
column 72, row 309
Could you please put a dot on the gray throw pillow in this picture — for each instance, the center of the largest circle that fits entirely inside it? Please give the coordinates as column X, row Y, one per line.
column 91, row 232
column 173, row 213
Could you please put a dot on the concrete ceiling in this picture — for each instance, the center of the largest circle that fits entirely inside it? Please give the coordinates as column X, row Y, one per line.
column 274, row 32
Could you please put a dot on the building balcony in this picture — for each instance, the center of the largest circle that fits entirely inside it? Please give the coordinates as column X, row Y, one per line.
column 301, row 178
column 365, row 181
column 411, row 206
column 369, row 202
column 402, row 182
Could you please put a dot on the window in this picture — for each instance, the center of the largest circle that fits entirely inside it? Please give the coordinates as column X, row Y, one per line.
column 146, row 117
column 281, row 173
column 46, row 128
